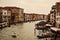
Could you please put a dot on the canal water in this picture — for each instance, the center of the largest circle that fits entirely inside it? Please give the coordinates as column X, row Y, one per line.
column 23, row 31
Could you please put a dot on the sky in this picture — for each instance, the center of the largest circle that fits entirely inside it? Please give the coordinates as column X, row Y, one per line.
column 31, row 6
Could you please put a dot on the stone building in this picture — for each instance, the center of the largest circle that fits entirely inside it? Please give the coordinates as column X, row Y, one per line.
column 53, row 15
column 5, row 17
column 58, row 14
column 16, row 14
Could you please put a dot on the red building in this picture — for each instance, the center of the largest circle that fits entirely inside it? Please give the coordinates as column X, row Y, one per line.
column 16, row 13
column 58, row 6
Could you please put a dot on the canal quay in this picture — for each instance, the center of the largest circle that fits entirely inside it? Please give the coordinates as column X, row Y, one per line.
column 24, row 31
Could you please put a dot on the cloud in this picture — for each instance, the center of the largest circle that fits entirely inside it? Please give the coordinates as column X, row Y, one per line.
column 35, row 7
column 34, row 4
column 38, row 6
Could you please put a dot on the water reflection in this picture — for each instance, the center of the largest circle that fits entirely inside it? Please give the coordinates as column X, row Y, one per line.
column 24, row 31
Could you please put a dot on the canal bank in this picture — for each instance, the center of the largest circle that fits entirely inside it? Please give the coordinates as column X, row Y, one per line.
column 24, row 31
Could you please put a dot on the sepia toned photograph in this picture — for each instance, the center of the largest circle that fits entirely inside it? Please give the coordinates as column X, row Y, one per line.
column 29, row 19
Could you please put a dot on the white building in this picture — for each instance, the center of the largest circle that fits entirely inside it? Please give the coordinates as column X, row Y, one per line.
column 53, row 15
column 5, row 16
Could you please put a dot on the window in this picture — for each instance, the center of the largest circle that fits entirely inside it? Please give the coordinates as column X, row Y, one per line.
column 5, row 13
column 0, row 12
column 54, row 16
column 54, row 20
column 59, row 25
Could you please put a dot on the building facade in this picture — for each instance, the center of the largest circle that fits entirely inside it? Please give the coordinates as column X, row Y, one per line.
column 16, row 14
column 53, row 15
column 58, row 14
column 5, row 17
